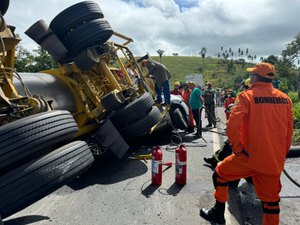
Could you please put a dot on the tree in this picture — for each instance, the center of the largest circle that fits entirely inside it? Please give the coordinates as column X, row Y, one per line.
column 292, row 51
column 230, row 67
column 160, row 53
column 225, row 56
column 29, row 62
column 271, row 59
column 24, row 59
column 203, row 53
column 43, row 60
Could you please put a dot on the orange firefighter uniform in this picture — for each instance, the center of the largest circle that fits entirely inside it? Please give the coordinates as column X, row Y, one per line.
column 228, row 101
column 186, row 96
column 260, row 130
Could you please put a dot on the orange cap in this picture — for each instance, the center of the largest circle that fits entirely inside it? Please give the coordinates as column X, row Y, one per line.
column 263, row 69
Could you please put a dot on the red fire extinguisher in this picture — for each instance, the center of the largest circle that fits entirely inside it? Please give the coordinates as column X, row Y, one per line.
column 180, row 164
column 157, row 165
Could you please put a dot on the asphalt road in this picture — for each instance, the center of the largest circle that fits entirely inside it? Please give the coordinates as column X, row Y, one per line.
column 119, row 192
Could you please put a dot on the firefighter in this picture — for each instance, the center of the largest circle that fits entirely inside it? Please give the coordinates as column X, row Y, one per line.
column 228, row 102
column 186, row 96
column 176, row 90
column 260, row 130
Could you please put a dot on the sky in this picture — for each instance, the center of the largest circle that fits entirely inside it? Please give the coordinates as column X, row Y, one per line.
column 265, row 27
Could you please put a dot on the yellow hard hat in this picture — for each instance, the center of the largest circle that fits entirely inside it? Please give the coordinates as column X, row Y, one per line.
column 177, row 83
column 247, row 82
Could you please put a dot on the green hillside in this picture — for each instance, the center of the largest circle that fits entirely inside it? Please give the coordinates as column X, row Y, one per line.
column 214, row 70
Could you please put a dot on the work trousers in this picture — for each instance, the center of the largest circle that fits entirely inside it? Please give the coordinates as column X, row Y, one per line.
column 191, row 118
column 166, row 89
column 227, row 115
column 211, row 114
column 197, row 117
column 267, row 187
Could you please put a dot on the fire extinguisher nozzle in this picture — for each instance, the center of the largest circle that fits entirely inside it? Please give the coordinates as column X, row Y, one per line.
column 169, row 164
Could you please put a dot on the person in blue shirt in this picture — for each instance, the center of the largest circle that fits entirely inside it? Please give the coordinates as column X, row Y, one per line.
column 276, row 83
column 196, row 102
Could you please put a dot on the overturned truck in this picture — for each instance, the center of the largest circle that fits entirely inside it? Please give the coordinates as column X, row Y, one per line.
column 52, row 122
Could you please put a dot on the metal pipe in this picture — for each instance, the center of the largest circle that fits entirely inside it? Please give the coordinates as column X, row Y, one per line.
column 108, row 74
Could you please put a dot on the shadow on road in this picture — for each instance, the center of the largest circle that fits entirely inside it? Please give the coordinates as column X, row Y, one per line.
column 244, row 205
column 149, row 190
column 109, row 169
column 25, row 220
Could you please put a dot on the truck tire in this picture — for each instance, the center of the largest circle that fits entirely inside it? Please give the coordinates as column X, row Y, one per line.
column 113, row 100
column 88, row 34
column 35, row 134
column 74, row 16
column 38, row 31
column 54, row 47
column 177, row 119
column 181, row 117
column 32, row 181
column 142, row 126
column 83, row 61
column 132, row 111
column 4, row 6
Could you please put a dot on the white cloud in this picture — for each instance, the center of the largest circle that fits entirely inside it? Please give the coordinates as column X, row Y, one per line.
column 167, row 7
column 262, row 26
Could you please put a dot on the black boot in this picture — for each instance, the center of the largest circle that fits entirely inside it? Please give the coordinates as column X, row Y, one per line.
column 214, row 214
column 212, row 161
column 190, row 129
column 234, row 183
column 249, row 180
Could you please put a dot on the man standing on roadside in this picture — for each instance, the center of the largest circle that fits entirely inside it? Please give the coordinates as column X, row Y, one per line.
column 195, row 102
column 209, row 99
column 260, row 130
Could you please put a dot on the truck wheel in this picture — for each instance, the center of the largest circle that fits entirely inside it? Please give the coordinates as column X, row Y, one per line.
column 178, row 120
column 143, row 125
column 54, row 47
column 132, row 111
column 35, row 134
column 88, row 34
column 113, row 100
column 32, row 181
column 4, row 6
column 83, row 61
column 38, row 31
column 74, row 16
